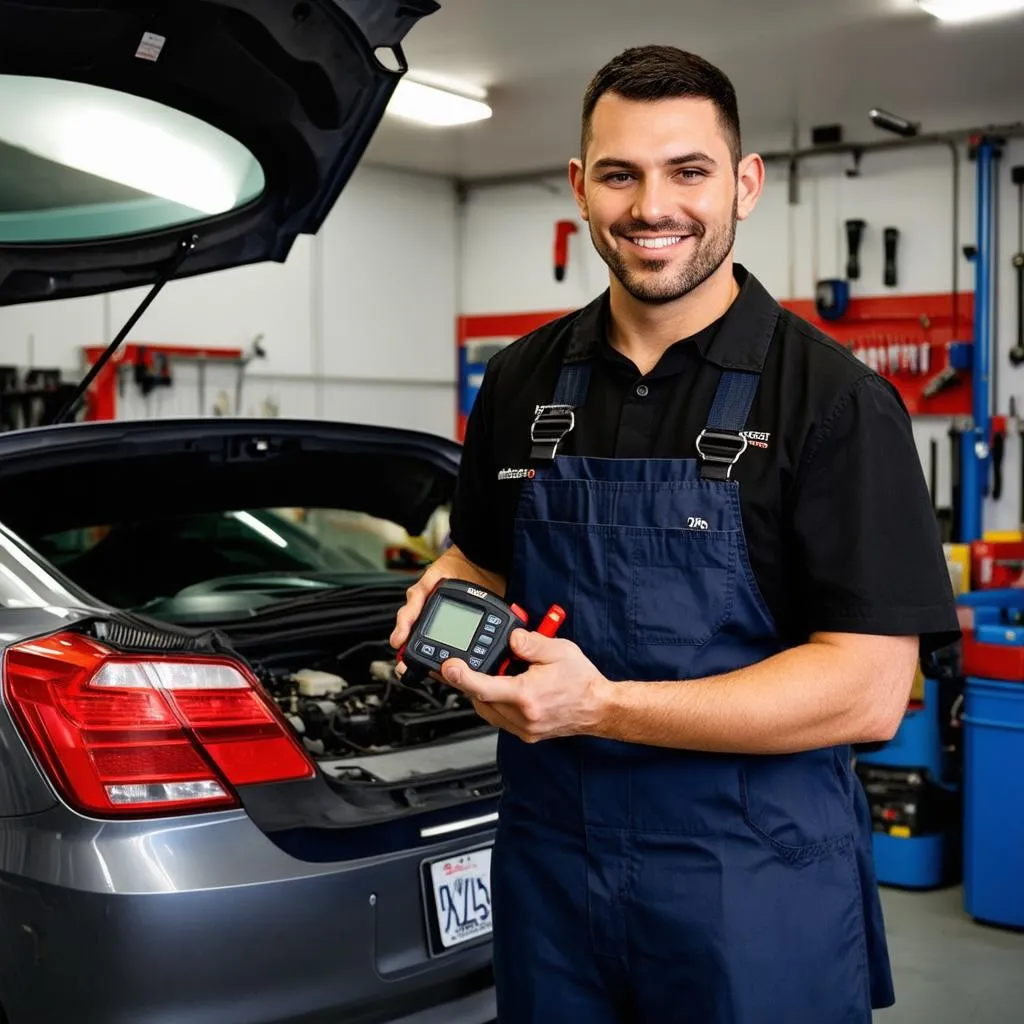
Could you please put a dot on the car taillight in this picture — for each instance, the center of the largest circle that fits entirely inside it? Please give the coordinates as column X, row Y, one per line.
column 121, row 735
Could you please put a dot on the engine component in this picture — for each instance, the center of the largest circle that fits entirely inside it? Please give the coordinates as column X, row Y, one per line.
column 318, row 684
column 382, row 671
column 363, row 707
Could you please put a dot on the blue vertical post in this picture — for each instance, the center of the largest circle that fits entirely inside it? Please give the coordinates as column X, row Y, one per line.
column 975, row 460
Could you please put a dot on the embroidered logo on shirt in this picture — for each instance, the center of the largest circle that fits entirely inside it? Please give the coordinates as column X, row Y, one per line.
column 758, row 438
column 516, row 474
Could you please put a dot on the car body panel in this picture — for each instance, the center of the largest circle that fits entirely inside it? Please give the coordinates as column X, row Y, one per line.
column 128, row 469
column 45, row 603
column 211, row 917
column 190, row 910
column 297, row 84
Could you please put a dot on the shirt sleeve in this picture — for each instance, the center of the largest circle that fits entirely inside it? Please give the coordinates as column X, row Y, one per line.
column 869, row 556
column 472, row 527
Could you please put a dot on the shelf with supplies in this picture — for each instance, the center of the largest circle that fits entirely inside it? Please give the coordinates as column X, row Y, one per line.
column 920, row 343
column 31, row 397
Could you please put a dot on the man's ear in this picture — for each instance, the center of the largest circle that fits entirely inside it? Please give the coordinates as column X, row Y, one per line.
column 750, row 177
column 577, row 179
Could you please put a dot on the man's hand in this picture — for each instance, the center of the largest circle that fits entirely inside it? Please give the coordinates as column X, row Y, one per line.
column 452, row 565
column 560, row 694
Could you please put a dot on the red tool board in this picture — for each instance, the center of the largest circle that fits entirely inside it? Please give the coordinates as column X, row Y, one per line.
column 871, row 328
column 889, row 334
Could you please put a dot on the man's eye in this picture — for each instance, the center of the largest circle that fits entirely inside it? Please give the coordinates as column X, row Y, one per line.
column 691, row 173
column 618, row 178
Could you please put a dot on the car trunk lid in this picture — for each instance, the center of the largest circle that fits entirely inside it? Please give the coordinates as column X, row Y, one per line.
column 129, row 127
column 84, row 474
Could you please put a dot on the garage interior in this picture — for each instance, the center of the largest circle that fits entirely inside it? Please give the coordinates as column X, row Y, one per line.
column 893, row 218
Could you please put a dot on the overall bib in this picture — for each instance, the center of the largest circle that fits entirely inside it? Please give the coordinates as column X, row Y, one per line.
column 656, row 886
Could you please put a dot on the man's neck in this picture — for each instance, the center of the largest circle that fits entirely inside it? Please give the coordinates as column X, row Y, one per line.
column 642, row 331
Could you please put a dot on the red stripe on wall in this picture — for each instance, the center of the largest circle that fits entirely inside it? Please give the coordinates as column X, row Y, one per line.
column 937, row 307
column 871, row 322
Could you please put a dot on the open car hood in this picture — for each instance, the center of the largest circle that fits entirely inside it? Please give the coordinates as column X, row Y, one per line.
column 83, row 474
column 128, row 126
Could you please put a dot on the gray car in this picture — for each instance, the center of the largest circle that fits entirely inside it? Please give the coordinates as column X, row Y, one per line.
column 218, row 804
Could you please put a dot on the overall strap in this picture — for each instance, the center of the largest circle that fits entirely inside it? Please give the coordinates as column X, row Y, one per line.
column 722, row 442
column 552, row 423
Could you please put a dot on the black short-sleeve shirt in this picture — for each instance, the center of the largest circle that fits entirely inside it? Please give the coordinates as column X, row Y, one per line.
column 836, row 512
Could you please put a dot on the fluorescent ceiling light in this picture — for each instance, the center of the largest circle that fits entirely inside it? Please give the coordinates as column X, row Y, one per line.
column 439, row 108
column 969, row 10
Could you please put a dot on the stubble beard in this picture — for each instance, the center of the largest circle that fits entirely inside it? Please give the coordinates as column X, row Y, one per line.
column 647, row 285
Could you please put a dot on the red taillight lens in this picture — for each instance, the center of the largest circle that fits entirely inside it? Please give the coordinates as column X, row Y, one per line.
column 126, row 736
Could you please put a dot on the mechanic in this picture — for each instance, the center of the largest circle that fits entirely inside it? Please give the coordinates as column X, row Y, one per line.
column 735, row 519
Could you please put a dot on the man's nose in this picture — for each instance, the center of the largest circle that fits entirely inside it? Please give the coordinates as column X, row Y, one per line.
column 651, row 201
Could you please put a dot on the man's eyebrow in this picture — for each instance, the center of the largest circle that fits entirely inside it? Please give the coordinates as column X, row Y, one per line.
column 696, row 157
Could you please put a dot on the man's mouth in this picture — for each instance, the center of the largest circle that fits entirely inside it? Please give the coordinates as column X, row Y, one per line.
column 659, row 242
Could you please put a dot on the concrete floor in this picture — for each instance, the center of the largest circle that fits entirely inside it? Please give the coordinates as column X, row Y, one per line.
column 948, row 969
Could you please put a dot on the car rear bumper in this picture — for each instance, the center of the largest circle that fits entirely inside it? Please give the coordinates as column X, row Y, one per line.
column 287, row 941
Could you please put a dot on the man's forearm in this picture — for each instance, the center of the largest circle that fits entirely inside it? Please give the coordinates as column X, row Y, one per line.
column 823, row 693
column 453, row 563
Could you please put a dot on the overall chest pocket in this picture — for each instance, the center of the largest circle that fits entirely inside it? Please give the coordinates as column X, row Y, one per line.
column 682, row 585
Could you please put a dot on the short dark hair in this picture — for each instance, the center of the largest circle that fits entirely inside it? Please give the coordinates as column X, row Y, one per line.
column 648, row 73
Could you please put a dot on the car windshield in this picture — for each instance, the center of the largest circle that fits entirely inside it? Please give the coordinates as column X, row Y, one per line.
column 24, row 583
column 134, row 563
column 81, row 162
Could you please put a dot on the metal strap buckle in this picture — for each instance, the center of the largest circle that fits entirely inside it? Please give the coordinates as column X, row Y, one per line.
column 551, row 423
column 720, row 451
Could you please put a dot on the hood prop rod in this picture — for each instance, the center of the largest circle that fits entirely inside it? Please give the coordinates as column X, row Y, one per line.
column 185, row 248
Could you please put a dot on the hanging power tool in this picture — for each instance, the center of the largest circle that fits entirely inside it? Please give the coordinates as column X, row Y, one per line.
column 997, row 450
column 854, row 237
column 832, row 295
column 1017, row 352
column 892, row 238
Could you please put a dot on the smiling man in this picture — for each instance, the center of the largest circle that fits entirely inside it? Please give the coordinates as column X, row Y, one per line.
column 731, row 509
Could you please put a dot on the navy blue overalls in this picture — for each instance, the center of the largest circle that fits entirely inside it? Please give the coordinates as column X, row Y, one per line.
column 641, row 884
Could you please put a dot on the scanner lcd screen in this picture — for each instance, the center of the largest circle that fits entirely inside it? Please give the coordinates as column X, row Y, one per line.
column 453, row 624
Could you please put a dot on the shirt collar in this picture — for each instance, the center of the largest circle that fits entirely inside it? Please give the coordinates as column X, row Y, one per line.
column 738, row 341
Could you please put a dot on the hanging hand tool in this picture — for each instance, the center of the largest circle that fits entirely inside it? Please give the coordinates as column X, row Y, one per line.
column 1018, row 422
column 959, row 357
column 892, row 238
column 832, row 299
column 933, row 473
column 997, row 449
column 956, row 490
column 563, row 230
column 1017, row 352
column 854, row 236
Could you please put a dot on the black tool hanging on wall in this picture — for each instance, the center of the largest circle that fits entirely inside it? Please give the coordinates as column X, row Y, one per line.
column 892, row 239
column 31, row 398
column 854, row 236
column 1017, row 352
column 956, row 495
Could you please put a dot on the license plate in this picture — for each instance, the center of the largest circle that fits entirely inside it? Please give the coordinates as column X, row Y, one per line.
column 461, row 889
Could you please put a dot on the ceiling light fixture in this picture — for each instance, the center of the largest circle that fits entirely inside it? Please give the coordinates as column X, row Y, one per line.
column 436, row 107
column 893, row 123
column 961, row 11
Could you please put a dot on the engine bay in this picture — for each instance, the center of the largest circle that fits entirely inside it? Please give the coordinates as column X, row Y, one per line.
column 368, row 709
column 325, row 659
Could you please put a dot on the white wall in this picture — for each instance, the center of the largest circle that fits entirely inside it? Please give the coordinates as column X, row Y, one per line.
column 357, row 325
column 508, row 234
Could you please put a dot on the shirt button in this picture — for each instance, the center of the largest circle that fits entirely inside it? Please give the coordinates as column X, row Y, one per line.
column 642, row 390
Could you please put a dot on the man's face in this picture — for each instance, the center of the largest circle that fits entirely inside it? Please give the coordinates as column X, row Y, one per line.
column 660, row 194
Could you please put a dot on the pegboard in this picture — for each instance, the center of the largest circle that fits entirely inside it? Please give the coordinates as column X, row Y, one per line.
column 112, row 381
column 910, row 322
column 905, row 339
